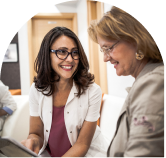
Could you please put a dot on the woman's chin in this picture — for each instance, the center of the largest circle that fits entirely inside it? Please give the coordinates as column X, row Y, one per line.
column 122, row 74
column 118, row 73
column 66, row 77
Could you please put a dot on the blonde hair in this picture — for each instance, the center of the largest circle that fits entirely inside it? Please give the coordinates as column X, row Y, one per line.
column 116, row 24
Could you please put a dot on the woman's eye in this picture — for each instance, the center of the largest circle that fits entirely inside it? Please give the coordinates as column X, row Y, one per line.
column 75, row 52
column 107, row 50
column 62, row 51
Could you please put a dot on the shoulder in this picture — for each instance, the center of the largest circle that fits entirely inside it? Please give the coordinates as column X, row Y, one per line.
column 34, row 93
column 156, row 76
column 159, row 70
column 147, row 93
column 33, row 88
column 92, row 92
column 95, row 94
column 94, row 89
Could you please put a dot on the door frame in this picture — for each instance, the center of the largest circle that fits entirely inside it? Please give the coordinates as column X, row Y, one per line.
column 71, row 16
column 97, row 66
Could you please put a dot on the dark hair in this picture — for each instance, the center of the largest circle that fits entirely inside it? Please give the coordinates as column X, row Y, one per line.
column 46, row 76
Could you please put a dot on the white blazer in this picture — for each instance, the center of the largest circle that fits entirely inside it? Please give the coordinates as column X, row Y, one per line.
column 75, row 112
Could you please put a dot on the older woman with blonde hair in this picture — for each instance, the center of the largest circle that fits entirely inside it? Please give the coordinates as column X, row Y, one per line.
column 130, row 48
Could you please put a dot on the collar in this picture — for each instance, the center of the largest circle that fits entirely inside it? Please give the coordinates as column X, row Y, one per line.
column 72, row 93
column 128, row 89
column 150, row 66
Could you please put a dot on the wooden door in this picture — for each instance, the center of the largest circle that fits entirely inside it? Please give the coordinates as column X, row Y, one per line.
column 39, row 26
column 97, row 66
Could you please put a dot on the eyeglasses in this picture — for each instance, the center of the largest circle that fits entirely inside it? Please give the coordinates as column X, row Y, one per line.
column 63, row 54
column 107, row 50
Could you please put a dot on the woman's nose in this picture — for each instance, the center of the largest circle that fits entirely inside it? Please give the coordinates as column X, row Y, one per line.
column 106, row 57
column 69, row 58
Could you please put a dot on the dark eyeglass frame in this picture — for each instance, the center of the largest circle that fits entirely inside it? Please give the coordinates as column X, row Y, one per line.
column 55, row 51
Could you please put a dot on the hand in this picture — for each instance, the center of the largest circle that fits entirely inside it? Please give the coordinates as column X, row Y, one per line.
column 32, row 144
column 3, row 112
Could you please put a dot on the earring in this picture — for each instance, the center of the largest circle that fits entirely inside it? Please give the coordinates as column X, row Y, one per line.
column 139, row 55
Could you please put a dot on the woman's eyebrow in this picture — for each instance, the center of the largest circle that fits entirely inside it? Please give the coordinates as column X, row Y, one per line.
column 63, row 48
column 67, row 48
column 104, row 46
column 109, row 46
column 74, row 48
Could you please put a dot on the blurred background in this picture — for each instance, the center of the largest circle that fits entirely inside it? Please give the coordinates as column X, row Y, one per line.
column 18, row 73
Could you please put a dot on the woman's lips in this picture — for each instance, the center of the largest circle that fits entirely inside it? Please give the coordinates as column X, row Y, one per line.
column 115, row 64
column 66, row 67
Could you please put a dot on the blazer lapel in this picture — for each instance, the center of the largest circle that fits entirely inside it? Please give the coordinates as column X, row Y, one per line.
column 123, row 110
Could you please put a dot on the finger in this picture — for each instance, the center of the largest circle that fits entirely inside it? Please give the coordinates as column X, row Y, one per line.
column 37, row 149
column 23, row 142
column 29, row 144
column 34, row 146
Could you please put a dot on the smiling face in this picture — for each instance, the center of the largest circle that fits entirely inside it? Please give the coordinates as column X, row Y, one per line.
column 122, row 56
column 64, row 68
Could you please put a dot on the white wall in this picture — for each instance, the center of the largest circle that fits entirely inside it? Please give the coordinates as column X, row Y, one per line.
column 116, row 84
column 107, row 7
column 62, row 7
column 80, row 8
column 83, row 25
column 24, row 60
column 51, row 9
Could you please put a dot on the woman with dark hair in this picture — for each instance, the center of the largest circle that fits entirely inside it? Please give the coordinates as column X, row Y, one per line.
column 64, row 100
column 128, row 46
